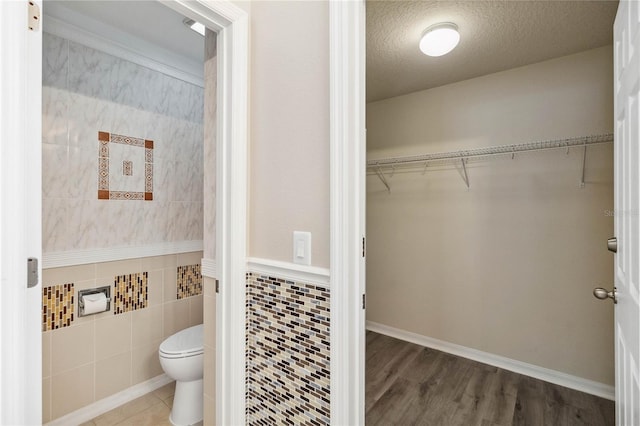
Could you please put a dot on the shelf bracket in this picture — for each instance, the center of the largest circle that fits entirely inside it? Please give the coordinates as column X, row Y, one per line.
column 383, row 179
column 584, row 164
column 466, row 176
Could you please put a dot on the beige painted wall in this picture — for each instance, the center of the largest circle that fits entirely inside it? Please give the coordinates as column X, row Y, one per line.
column 508, row 266
column 289, row 130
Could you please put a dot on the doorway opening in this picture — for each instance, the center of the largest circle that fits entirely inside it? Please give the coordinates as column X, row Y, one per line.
column 484, row 243
column 142, row 84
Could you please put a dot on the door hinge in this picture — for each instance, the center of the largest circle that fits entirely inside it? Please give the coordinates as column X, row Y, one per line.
column 32, row 272
column 364, row 247
column 364, row 301
column 34, row 16
column 217, row 286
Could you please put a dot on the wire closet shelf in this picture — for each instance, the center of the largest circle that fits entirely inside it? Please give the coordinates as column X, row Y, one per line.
column 462, row 157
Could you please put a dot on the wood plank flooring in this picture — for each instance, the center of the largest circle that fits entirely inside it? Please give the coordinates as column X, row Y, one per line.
column 407, row 384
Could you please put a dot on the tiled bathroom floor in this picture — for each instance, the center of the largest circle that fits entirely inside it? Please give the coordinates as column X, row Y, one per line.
column 151, row 409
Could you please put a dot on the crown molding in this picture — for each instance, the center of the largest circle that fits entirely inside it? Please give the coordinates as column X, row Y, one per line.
column 117, row 43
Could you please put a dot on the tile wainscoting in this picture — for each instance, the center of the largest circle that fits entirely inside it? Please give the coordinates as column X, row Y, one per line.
column 90, row 358
column 287, row 351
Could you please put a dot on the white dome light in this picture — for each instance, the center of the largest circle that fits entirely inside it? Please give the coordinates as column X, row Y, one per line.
column 439, row 39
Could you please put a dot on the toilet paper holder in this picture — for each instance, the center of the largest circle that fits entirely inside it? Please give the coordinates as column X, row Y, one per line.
column 82, row 293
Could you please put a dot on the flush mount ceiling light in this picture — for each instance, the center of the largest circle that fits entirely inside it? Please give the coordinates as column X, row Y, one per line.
column 439, row 39
column 195, row 26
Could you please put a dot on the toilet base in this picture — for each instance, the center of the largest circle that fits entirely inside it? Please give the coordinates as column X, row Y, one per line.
column 187, row 403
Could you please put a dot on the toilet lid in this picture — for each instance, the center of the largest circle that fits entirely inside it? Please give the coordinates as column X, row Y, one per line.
column 184, row 343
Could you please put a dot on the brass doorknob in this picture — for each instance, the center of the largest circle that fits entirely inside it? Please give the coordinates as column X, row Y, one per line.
column 602, row 294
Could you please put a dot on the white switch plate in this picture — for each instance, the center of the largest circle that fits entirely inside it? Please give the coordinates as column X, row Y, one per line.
column 302, row 248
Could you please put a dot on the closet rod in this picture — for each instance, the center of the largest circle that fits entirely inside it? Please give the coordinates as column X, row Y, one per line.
column 455, row 156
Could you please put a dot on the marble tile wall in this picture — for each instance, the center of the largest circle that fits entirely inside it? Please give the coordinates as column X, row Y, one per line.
column 86, row 91
column 90, row 358
column 210, row 129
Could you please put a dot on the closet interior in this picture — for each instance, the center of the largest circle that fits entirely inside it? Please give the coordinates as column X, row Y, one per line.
column 489, row 205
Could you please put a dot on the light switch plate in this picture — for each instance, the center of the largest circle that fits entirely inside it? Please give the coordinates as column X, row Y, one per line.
column 302, row 248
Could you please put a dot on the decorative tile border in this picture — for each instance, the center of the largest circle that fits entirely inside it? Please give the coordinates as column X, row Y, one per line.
column 104, row 191
column 189, row 281
column 57, row 306
column 130, row 292
column 287, row 355
column 127, row 168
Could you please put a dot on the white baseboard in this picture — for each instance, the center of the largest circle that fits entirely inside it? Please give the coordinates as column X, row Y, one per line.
column 289, row 271
column 556, row 377
column 83, row 257
column 107, row 404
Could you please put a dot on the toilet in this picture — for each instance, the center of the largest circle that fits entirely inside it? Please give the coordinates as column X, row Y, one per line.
column 182, row 359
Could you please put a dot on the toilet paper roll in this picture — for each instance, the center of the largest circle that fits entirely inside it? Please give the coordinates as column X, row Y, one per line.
column 93, row 303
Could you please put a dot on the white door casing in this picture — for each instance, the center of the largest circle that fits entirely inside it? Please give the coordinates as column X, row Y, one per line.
column 347, row 219
column 627, row 208
column 20, row 215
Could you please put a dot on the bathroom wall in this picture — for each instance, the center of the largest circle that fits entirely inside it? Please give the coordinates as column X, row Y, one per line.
column 507, row 266
column 90, row 358
column 210, row 129
column 157, row 197
column 210, row 91
column 122, row 169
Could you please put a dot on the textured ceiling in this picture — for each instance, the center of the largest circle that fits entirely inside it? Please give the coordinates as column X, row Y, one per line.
column 494, row 36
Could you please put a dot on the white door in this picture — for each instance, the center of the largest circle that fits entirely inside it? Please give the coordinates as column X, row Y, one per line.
column 20, row 212
column 627, row 207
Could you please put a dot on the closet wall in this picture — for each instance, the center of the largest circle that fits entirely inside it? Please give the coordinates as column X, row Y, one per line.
column 507, row 266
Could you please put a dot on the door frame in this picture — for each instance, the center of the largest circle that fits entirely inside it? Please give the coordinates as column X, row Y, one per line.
column 232, row 27
column 347, row 217
column 20, row 392
column 20, row 215
column 347, row 199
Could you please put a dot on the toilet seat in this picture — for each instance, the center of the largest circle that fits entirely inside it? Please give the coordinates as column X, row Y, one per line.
column 185, row 354
column 184, row 344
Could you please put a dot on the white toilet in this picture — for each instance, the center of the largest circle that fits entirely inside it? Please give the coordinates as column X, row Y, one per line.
column 181, row 357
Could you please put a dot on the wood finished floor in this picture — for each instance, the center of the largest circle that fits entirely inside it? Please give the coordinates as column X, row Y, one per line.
column 407, row 384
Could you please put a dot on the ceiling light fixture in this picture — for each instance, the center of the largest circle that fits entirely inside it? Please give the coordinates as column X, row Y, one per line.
column 439, row 39
column 195, row 26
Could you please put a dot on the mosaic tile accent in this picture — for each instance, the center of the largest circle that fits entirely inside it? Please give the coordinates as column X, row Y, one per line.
column 148, row 179
column 121, row 195
column 127, row 168
column 130, row 292
column 189, row 281
column 126, row 140
column 57, row 306
column 287, row 352
column 104, row 153
column 103, row 174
